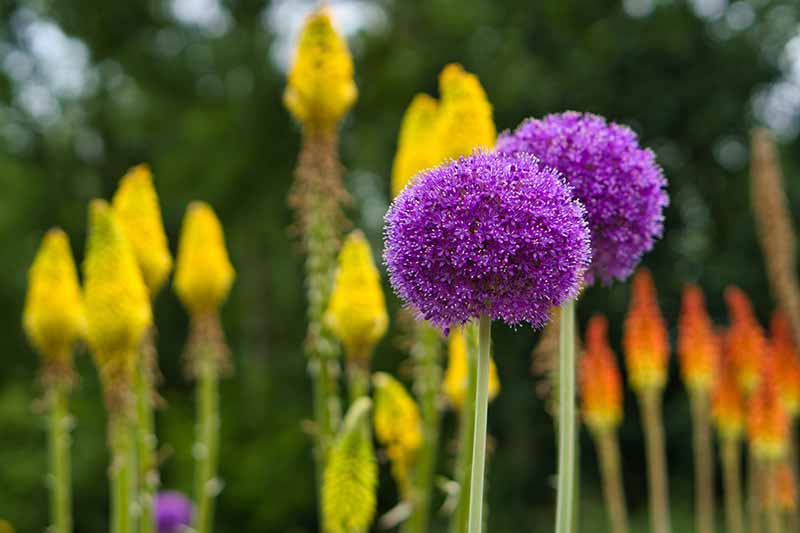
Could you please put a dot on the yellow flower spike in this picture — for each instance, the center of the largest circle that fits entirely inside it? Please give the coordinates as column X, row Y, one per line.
column 203, row 271
column 356, row 311
column 116, row 298
column 465, row 114
column 136, row 206
column 417, row 146
column 53, row 317
column 397, row 425
column 320, row 86
column 455, row 377
column 351, row 475
column 645, row 341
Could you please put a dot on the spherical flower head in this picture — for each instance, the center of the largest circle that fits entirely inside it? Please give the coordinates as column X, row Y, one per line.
column 645, row 340
column 320, row 87
column 767, row 421
column 465, row 115
column 698, row 343
column 53, row 316
column 203, row 271
column 618, row 182
column 418, row 144
column 745, row 340
column 356, row 311
column 137, row 209
column 784, row 350
column 454, row 383
column 727, row 403
column 173, row 512
column 117, row 301
column 398, row 425
column 350, row 478
column 487, row 234
column 599, row 378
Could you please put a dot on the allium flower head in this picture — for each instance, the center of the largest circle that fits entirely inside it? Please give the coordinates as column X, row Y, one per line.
column 53, row 316
column 487, row 234
column 398, row 425
column 320, row 87
column 465, row 115
column 645, row 340
column 417, row 145
column 698, row 344
column 618, row 182
column 203, row 272
column 745, row 341
column 787, row 359
column 727, row 407
column 136, row 206
column 454, row 383
column 357, row 309
column 600, row 382
column 767, row 421
column 173, row 512
column 351, row 475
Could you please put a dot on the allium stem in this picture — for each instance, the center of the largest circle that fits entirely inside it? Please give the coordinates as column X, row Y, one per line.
column 732, row 479
column 481, row 394
column 613, row 490
column 60, row 477
column 754, row 495
column 206, row 448
column 703, row 463
column 427, row 352
column 650, row 401
column 122, row 473
column 566, row 420
column 146, row 436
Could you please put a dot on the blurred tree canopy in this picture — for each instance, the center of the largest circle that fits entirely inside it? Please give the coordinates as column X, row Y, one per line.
column 193, row 87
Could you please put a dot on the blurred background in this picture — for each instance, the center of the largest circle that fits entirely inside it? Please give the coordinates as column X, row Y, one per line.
column 89, row 88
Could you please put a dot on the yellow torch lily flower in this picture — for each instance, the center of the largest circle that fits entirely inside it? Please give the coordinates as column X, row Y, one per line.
column 465, row 114
column 417, row 144
column 455, row 376
column 645, row 340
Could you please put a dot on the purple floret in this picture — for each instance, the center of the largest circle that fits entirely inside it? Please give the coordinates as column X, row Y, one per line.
column 173, row 512
column 490, row 233
column 618, row 182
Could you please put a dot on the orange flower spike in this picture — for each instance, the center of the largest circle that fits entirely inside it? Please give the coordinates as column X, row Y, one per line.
column 645, row 339
column 745, row 341
column 600, row 382
column 698, row 346
column 727, row 407
column 783, row 348
column 785, row 488
column 767, row 421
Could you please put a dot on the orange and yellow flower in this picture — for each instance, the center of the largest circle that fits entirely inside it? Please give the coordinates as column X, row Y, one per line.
column 645, row 339
column 600, row 382
column 783, row 348
column 767, row 421
column 727, row 407
column 745, row 342
column 785, row 488
column 698, row 345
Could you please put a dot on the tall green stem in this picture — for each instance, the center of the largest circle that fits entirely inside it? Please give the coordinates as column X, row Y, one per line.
column 427, row 352
column 146, row 438
column 481, row 394
column 207, row 444
column 774, row 521
column 566, row 418
column 123, row 473
column 754, row 495
column 60, row 476
column 703, row 463
column 613, row 491
column 650, row 401
column 732, row 480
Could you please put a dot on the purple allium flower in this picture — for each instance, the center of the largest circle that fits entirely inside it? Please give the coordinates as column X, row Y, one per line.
column 490, row 233
column 173, row 512
column 618, row 182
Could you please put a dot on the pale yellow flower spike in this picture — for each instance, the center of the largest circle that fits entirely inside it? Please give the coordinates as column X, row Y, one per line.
column 53, row 317
column 203, row 271
column 117, row 302
column 417, row 144
column 137, row 209
column 356, row 311
column 465, row 114
column 397, row 425
column 320, row 87
column 455, row 377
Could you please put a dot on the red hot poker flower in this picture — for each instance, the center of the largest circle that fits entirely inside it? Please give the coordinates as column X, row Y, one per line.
column 767, row 422
column 698, row 344
column 645, row 339
column 784, row 349
column 600, row 382
column 745, row 342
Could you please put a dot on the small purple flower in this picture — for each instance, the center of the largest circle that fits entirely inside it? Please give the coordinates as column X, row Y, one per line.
column 490, row 233
column 173, row 512
column 618, row 182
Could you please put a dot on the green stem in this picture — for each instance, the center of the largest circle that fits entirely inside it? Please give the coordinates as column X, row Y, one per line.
column 358, row 379
column 703, row 463
column 566, row 417
column 60, row 478
column 770, row 489
column 650, row 401
column 146, row 442
column 426, row 351
column 207, row 445
column 481, row 394
column 754, row 495
column 732, row 479
column 613, row 491
column 122, row 472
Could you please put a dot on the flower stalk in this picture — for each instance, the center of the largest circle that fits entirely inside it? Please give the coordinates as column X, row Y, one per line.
column 703, row 463
column 732, row 484
column 60, row 469
column 608, row 453
column 566, row 420
column 123, row 474
column 206, row 447
column 481, row 393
